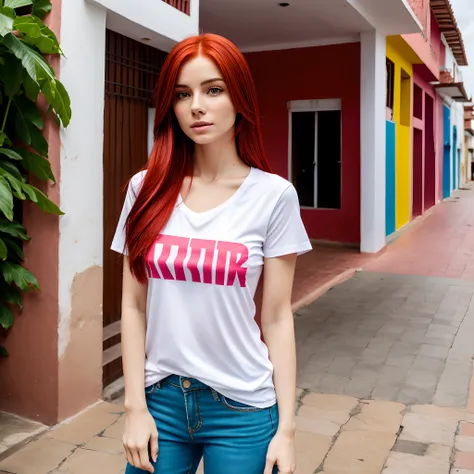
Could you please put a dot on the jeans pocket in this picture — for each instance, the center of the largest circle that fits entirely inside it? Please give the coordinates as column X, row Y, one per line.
column 237, row 406
column 152, row 388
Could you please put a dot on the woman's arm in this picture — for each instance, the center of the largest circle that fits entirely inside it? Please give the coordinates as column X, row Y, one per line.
column 140, row 428
column 133, row 338
column 279, row 334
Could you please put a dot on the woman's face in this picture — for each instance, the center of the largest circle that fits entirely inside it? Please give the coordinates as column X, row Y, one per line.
column 202, row 102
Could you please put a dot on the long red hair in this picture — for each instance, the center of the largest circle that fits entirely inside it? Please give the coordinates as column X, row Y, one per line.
column 171, row 158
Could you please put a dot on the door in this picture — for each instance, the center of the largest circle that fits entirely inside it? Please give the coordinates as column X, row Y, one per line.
column 417, row 191
column 430, row 155
column 132, row 70
column 390, row 178
column 455, row 157
column 446, row 152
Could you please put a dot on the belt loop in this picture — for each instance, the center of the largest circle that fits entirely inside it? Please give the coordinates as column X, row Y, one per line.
column 215, row 394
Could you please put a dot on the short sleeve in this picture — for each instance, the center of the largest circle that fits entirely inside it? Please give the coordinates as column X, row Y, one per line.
column 118, row 242
column 286, row 233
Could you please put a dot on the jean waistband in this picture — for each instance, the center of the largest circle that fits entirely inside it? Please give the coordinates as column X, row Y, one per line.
column 186, row 383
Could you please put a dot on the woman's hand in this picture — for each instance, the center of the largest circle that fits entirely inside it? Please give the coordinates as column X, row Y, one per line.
column 140, row 429
column 281, row 452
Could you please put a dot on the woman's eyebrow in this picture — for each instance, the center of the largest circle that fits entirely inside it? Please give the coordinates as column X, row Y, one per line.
column 202, row 83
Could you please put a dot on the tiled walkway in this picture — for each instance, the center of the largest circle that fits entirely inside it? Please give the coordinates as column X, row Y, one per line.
column 441, row 245
column 336, row 434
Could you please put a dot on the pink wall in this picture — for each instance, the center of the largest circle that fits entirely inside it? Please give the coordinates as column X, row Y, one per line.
column 435, row 38
column 429, row 48
column 420, row 8
column 326, row 72
column 419, row 80
column 29, row 377
column 422, row 49
column 439, row 140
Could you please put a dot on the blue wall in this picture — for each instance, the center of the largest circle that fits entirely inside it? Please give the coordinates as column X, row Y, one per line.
column 455, row 158
column 447, row 152
column 390, row 179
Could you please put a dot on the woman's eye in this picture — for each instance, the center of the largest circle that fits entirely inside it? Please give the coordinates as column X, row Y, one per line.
column 215, row 90
column 182, row 95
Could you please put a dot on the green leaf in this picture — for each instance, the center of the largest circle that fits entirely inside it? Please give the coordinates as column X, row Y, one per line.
column 57, row 96
column 4, row 139
column 32, row 88
column 22, row 129
column 14, row 249
column 28, row 110
column 6, row 317
column 30, row 192
column 3, row 352
column 37, row 34
column 28, row 26
column 36, row 66
column 12, row 169
column 14, row 183
column 15, row 229
column 36, row 164
column 38, row 142
column 3, row 250
column 6, row 199
column 10, row 153
column 18, row 3
column 12, row 75
column 14, row 273
column 11, row 295
column 6, row 21
column 45, row 204
column 41, row 8
column 8, row 11
column 28, row 132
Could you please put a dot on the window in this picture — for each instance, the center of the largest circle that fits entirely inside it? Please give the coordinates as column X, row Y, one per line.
column 315, row 152
column 390, row 88
column 405, row 98
column 417, row 102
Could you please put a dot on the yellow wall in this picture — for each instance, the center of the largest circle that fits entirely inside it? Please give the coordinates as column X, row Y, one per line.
column 397, row 53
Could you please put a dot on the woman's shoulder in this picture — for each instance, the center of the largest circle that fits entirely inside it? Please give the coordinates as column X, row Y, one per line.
column 136, row 181
column 272, row 183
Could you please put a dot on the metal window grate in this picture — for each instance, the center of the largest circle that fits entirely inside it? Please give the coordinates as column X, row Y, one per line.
column 181, row 5
column 132, row 68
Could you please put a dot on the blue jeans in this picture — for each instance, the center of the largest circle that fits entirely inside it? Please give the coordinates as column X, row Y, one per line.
column 194, row 421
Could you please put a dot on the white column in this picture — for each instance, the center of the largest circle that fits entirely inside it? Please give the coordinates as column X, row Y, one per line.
column 81, row 198
column 373, row 85
column 83, row 75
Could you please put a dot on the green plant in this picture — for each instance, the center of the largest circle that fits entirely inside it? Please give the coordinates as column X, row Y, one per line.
column 24, row 75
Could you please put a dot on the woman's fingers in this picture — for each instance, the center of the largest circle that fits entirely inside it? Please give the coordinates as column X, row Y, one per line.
column 145, row 463
column 154, row 446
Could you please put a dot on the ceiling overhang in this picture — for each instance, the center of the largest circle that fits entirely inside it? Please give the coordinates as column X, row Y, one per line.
column 444, row 14
column 263, row 25
column 454, row 90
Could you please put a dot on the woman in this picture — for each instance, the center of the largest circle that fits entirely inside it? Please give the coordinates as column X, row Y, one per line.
column 196, row 230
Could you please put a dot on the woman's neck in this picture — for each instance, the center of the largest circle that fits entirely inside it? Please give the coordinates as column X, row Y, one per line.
column 217, row 160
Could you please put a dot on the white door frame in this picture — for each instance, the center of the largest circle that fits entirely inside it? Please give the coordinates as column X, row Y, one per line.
column 316, row 105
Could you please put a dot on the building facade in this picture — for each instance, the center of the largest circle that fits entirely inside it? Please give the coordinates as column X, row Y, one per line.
column 424, row 100
column 321, row 73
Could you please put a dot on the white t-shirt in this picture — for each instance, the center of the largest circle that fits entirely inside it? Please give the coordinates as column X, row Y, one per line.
column 203, row 273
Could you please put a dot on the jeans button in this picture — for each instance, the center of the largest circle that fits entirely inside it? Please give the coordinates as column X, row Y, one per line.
column 186, row 384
